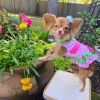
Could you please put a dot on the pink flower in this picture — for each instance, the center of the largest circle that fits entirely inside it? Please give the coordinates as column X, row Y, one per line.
column 0, row 28
column 26, row 19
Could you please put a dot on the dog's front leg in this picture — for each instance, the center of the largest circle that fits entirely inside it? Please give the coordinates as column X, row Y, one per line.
column 57, row 51
column 49, row 52
column 53, row 56
column 45, row 58
column 49, row 57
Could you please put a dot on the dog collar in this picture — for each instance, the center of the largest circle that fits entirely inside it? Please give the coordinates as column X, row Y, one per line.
column 63, row 42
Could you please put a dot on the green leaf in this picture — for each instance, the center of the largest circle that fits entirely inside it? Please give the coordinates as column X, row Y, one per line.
column 62, row 63
column 98, row 30
column 25, row 39
column 27, row 70
column 11, row 70
column 15, row 60
column 34, row 70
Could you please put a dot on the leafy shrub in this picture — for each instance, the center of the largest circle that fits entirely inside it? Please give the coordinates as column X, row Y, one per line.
column 91, row 36
column 21, row 52
column 16, row 53
column 21, row 45
column 62, row 63
column 42, row 35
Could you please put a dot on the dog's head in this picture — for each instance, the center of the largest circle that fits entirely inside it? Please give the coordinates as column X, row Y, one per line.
column 61, row 26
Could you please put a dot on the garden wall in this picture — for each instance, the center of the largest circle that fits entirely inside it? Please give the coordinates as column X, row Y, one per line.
column 39, row 7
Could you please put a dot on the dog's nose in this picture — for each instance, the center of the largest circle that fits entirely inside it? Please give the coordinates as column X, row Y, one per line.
column 60, row 31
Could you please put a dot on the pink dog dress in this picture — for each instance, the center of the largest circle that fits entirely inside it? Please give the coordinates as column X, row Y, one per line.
column 80, row 54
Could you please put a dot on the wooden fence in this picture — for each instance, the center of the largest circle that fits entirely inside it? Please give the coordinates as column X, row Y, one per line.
column 39, row 7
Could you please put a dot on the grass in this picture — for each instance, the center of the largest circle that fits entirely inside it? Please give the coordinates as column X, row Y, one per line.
column 37, row 24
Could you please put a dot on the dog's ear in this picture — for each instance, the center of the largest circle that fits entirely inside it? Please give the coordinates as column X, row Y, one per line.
column 76, row 25
column 49, row 21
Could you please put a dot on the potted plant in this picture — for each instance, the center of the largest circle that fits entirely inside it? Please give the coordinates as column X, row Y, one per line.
column 20, row 48
column 17, row 56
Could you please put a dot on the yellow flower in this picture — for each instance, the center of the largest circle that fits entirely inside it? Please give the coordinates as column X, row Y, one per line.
column 27, row 87
column 22, row 25
column 25, row 84
column 24, row 87
column 25, row 80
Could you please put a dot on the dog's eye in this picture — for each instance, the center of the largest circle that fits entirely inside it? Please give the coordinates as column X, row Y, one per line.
column 66, row 28
column 56, row 25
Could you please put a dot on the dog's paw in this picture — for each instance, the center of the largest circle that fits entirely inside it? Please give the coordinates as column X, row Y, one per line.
column 41, row 58
column 82, row 89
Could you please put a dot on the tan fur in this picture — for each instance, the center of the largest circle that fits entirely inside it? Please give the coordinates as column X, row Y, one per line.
column 49, row 20
column 53, row 25
column 57, row 51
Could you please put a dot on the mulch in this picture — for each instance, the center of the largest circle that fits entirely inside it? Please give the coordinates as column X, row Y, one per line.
column 95, row 79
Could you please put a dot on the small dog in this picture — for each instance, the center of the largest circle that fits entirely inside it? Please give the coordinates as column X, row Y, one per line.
column 63, row 29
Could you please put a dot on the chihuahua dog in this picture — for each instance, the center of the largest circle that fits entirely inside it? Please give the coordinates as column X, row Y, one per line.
column 63, row 30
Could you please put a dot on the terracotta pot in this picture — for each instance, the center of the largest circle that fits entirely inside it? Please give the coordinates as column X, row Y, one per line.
column 46, row 71
column 10, row 86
